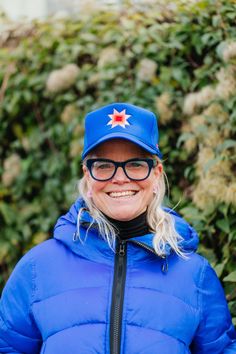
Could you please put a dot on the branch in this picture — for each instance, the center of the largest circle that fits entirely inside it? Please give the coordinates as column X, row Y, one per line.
column 9, row 71
column 43, row 129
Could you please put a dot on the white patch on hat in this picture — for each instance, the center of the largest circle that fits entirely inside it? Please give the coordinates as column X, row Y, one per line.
column 118, row 118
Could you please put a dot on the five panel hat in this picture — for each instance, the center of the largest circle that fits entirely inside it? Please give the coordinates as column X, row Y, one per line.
column 121, row 121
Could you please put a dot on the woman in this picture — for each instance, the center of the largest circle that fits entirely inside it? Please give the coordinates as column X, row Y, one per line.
column 121, row 274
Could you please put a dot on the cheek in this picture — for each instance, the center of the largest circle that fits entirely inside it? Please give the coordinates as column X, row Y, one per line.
column 95, row 187
column 147, row 190
column 148, row 184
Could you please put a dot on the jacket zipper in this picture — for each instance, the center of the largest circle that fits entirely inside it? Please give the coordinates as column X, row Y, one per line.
column 144, row 246
column 164, row 267
column 118, row 297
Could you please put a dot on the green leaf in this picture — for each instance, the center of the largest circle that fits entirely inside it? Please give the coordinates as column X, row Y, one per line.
column 223, row 224
column 211, row 163
column 219, row 268
column 191, row 213
column 231, row 277
column 183, row 137
column 7, row 213
column 227, row 144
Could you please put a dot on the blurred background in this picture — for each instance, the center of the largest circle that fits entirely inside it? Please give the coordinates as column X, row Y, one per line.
column 17, row 9
column 60, row 60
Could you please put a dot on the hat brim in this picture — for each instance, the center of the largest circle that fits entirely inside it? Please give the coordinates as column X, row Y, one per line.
column 123, row 136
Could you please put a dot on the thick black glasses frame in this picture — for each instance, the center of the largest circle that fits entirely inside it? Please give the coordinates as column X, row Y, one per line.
column 151, row 163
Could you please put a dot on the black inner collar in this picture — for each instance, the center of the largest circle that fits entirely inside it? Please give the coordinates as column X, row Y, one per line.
column 135, row 227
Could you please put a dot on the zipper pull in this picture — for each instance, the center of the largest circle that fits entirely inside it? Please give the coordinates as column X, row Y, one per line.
column 164, row 267
column 121, row 248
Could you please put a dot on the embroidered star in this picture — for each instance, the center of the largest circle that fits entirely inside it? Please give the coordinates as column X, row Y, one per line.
column 118, row 118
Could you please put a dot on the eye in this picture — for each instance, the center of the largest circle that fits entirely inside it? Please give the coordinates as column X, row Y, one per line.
column 103, row 165
column 135, row 164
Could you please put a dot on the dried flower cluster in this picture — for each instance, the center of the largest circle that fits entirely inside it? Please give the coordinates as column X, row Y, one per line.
column 229, row 51
column 198, row 99
column 147, row 70
column 225, row 88
column 62, row 79
column 108, row 56
column 11, row 34
column 76, row 148
column 11, row 169
column 208, row 130
column 214, row 169
column 69, row 113
column 163, row 107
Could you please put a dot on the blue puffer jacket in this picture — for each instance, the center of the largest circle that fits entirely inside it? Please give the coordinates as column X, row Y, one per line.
column 68, row 297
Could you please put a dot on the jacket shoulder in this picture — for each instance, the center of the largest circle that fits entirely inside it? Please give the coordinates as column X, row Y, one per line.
column 43, row 250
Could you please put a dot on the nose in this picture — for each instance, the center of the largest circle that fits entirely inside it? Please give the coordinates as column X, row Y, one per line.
column 120, row 176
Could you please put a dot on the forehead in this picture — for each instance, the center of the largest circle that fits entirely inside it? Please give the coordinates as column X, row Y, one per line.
column 119, row 147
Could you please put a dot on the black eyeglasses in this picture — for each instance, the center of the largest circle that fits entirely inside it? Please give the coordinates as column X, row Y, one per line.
column 135, row 169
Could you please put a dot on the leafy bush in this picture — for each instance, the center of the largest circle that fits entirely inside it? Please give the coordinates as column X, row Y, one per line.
column 179, row 61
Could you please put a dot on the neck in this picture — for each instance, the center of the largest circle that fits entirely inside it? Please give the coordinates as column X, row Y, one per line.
column 131, row 228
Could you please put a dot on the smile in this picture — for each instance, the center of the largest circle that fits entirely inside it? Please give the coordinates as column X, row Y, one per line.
column 122, row 194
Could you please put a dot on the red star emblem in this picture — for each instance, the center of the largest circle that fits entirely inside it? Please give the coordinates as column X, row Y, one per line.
column 118, row 118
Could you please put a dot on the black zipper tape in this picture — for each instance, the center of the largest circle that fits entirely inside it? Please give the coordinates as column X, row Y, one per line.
column 118, row 297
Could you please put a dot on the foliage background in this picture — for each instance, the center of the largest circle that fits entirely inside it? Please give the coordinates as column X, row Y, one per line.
column 179, row 61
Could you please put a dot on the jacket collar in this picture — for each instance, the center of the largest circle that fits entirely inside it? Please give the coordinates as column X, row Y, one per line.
column 93, row 246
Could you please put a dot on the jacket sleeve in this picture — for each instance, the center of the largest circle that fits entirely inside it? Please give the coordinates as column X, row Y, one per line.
column 18, row 331
column 216, row 333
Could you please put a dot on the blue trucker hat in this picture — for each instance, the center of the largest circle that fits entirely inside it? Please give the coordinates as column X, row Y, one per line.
column 123, row 121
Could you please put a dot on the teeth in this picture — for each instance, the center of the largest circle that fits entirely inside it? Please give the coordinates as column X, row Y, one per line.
column 121, row 194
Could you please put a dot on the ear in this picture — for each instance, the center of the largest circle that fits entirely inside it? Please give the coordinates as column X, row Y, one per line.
column 85, row 171
column 158, row 169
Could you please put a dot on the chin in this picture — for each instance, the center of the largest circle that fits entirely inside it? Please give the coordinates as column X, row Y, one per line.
column 124, row 215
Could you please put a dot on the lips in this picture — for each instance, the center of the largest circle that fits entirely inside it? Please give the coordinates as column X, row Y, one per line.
column 121, row 194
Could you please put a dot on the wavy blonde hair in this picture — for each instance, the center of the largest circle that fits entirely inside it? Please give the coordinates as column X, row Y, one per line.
column 161, row 223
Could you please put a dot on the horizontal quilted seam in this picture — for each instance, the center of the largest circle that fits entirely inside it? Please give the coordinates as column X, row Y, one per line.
column 6, row 329
column 165, row 294
column 154, row 330
column 67, row 291
column 223, row 341
column 73, row 326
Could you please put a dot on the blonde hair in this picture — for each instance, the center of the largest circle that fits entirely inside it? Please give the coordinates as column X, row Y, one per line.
column 161, row 223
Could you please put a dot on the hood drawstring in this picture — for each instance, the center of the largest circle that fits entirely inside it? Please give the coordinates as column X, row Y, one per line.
column 76, row 234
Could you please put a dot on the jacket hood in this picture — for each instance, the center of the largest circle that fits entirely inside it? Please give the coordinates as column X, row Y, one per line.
column 66, row 231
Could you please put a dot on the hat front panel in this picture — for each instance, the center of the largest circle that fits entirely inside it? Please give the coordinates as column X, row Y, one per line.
column 121, row 120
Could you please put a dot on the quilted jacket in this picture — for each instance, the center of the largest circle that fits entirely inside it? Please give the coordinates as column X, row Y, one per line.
column 73, row 295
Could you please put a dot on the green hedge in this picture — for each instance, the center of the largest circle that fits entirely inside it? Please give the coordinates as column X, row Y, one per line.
column 179, row 61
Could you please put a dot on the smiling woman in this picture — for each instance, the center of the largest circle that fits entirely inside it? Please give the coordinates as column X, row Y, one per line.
column 121, row 193
column 121, row 274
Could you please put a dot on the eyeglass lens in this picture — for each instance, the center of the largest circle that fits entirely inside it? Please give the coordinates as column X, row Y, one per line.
column 104, row 170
